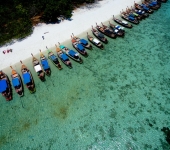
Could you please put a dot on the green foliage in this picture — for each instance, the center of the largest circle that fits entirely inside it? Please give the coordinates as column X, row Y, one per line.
column 15, row 15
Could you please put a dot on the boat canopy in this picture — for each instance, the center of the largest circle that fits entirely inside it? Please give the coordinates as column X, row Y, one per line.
column 64, row 57
column 53, row 57
column 45, row 64
column 131, row 18
column 124, row 22
column 27, row 78
column 101, row 35
column 118, row 27
column 108, row 31
column 83, row 41
column 15, row 82
column 3, row 85
column 72, row 53
column 116, row 30
column 37, row 68
column 80, row 47
column 96, row 41
column 62, row 46
column 154, row 3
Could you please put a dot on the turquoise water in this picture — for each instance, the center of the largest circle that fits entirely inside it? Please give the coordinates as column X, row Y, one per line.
column 118, row 99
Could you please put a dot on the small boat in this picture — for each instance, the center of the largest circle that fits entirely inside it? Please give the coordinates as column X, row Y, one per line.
column 95, row 41
column 134, row 14
column 38, row 68
column 28, row 79
column 71, row 53
column 5, row 86
column 45, row 64
column 79, row 47
column 152, row 4
column 143, row 7
column 140, row 12
column 54, row 59
column 99, row 35
column 63, row 57
column 129, row 18
column 17, row 82
column 83, row 42
column 106, row 30
column 118, row 30
column 123, row 23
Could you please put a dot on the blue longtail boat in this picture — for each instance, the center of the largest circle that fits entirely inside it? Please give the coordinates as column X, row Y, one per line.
column 17, row 82
column 5, row 86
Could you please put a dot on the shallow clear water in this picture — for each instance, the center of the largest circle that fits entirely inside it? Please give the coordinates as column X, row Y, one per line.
column 117, row 99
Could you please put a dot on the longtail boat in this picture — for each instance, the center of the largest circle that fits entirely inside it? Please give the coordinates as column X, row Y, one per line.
column 79, row 47
column 134, row 14
column 95, row 41
column 129, row 18
column 99, row 35
column 106, row 30
column 54, row 59
column 38, row 68
column 117, row 29
column 152, row 4
column 17, row 82
column 27, row 78
column 122, row 22
column 140, row 12
column 71, row 53
column 143, row 7
column 82, row 42
column 63, row 57
column 45, row 64
column 5, row 86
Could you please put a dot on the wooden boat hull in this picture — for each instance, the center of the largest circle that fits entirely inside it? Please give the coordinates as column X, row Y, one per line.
column 100, row 45
column 63, row 57
column 8, row 92
column 85, row 45
column 80, row 60
column 126, row 18
column 19, row 87
column 145, row 8
column 56, row 61
column 102, row 39
column 47, row 69
column 75, row 58
column 40, row 72
column 84, row 53
column 111, row 35
column 31, row 85
column 119, row 32
column 69, row 65
column 56, row 64
column 123, row 24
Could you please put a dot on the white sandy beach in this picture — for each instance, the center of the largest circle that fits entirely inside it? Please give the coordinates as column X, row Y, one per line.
column 82, row 20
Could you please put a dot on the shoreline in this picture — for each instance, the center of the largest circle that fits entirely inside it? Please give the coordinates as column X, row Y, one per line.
column 82, row 20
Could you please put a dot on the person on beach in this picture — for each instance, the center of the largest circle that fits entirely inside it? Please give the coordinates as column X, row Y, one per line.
column 4, row 51
column 43, row 37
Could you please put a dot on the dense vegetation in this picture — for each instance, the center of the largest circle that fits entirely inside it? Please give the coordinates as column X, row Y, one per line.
column 17, row 17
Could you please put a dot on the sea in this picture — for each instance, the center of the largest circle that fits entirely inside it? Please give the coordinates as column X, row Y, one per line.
column 118, row 99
